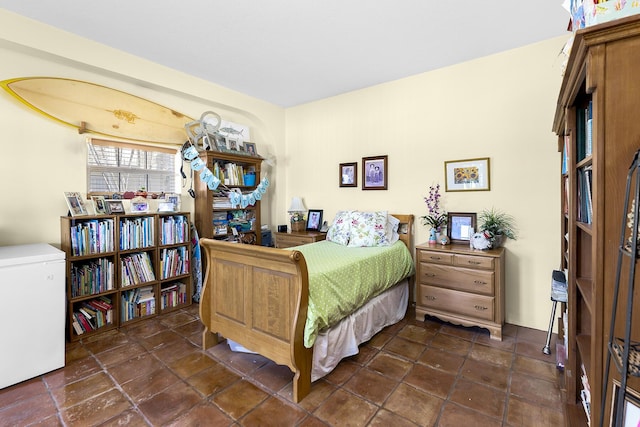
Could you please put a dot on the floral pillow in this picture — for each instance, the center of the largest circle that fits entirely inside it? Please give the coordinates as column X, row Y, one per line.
column 368, row 229
column 340, row 228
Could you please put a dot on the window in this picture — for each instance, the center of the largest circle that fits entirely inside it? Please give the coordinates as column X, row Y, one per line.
column 116, row 167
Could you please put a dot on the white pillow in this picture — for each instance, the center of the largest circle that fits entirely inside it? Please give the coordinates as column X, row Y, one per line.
column 368, row 229
column 340, row 228
column 392, row 229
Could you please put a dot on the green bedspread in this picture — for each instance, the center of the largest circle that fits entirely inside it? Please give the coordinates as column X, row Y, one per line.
column 342, row 279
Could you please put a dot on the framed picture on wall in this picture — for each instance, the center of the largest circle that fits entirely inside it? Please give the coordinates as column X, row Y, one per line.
column 467, row 175
column 348, row 174
column 374, row 173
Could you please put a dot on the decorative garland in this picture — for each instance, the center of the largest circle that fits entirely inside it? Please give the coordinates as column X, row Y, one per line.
column 190, row 153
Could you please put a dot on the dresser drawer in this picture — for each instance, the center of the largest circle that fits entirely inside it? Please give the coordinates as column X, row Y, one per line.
column 287, row 240
column 435, row 257
column 473, row 261
column 463, row 279
column 452, row 301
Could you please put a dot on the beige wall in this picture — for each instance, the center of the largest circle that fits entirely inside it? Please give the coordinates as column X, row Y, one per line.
column 41, row 159
column 499, row 107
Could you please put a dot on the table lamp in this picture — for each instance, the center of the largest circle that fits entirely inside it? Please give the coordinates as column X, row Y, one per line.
column 296, row 212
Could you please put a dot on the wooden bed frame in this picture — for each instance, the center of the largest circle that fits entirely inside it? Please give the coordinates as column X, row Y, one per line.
column 258, row 297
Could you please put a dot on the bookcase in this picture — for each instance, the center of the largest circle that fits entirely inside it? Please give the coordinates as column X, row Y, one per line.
column 215, row 218
column 123, row 268
column 598, row 135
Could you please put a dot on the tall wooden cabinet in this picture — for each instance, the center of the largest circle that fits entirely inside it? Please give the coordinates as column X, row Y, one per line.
column 215, row 218
column 598, row 133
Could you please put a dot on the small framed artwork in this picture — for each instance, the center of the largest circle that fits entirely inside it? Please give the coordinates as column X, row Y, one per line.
column 233, row 144
column 374, row 173
column 629, row 410
column 98, row 204
column 174, row 199
column 348, row 174
column 139, row 207
column 221, row 143
column 165, row 207
column 250, row 148
column 114, row 206
column 314, row 219
column 75, row 204
column 460, row 226
column 467, row 175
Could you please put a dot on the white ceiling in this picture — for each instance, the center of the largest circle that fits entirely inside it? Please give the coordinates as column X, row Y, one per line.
column 289, row 52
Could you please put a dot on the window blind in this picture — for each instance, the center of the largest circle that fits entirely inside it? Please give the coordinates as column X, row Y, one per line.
column 116, row 167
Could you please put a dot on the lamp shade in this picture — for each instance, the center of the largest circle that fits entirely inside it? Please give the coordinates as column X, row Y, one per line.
column 297, row 205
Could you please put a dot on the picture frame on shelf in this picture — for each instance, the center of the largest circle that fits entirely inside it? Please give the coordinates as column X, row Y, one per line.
column 233, row 144
column 114, row 207
column 139, row 207
column 460, row 226
column 374, row 173
column 467, row 175
column 98, row 205
column 250, row 148
column 314, row 219
column 630, row 408
column 75, row 203
column 348, row 174
column 165, row 207
column 221, row 143
column 173, row 198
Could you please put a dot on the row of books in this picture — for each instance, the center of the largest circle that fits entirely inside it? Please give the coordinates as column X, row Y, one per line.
column 175, row 229
column 136, row 233
column 136, row 269
column 173, row 295
column 584, row 128
column 585, row 204
column 137, row 302
column 93, row 277
column 92, row 237
column 174, row 262
column 91, row 315
column 229, row 173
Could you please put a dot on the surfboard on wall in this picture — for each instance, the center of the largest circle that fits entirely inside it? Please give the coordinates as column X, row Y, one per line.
column 100, row 110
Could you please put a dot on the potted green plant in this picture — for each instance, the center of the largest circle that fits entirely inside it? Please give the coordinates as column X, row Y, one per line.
column 499, row 224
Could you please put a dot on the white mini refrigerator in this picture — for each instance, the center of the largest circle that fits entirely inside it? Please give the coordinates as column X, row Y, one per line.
column 32, row 311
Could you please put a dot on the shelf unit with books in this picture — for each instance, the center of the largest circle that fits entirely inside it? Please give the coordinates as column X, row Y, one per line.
column 122, row 268
column 215, row 218
column 598, row 134
column 138, row 263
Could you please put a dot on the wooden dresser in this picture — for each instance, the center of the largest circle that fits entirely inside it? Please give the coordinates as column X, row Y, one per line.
column 297, row 238
column 461, row 285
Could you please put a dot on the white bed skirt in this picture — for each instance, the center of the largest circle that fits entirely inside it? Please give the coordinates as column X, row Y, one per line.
column 343, row 339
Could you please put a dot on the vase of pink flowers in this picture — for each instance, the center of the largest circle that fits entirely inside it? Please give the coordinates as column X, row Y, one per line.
column 436, row 217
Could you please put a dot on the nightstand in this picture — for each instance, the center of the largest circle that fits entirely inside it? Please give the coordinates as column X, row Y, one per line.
column 297, row 238
column 461, row 285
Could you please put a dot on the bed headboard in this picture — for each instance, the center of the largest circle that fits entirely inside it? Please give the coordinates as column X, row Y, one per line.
column 405, row 230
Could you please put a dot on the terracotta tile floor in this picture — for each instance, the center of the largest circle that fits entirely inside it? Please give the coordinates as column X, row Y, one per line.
column 413, row 373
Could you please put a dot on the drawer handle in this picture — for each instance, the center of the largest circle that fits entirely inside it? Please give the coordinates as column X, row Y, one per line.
column 480, row 307
column 430, row 298
column 479, row 282
column 430, row 274
column 474, row 262
column 437, row 258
